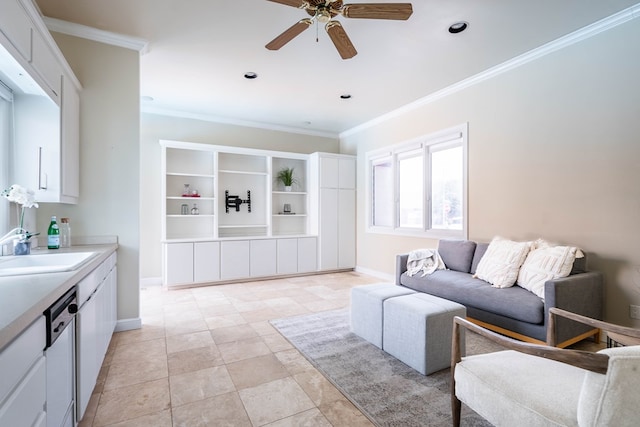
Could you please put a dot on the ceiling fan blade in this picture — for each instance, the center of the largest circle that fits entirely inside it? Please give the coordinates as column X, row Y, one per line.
column 289, row 34
column 293, row 3
column 341, row 40
column 400, row 11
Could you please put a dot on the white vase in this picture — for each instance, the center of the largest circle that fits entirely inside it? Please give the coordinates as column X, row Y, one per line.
column 287, row 188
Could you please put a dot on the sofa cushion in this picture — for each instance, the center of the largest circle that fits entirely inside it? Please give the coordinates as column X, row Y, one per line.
column 457, row 254
column 545, row 262
column 481, row 248
column 501, row 263
column 514, row 302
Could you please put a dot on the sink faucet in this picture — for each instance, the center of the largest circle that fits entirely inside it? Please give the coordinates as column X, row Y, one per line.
column 15, row 234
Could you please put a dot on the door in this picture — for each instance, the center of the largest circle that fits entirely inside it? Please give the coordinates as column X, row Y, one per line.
column 328, row 229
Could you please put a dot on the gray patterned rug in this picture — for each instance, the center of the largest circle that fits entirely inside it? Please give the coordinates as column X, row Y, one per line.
column 386, row 390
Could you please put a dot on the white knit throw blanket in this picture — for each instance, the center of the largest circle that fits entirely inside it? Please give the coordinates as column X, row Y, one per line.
column 425, row 260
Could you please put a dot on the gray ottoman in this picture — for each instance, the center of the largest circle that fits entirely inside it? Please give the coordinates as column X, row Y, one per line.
column 366, row 309
column 418, row 328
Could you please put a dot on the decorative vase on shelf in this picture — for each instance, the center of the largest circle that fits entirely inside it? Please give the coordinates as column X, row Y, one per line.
column 21, row 247
column 287, row 188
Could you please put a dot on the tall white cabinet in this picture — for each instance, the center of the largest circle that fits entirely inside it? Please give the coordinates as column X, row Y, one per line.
column 244, row 225
column 335, row 207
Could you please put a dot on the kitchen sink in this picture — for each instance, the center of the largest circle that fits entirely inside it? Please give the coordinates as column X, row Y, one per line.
column 43, row 263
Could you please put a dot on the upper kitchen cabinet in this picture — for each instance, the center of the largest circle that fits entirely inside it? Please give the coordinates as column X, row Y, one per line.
column 46, row 96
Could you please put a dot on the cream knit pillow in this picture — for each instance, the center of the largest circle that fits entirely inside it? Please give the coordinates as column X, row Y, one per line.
column 546, row 262
column 501, row 262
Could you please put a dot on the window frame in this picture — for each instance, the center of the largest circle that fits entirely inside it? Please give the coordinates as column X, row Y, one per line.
column 456, row 136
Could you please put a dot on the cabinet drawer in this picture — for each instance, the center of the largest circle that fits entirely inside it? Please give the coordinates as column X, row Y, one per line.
column 19, row 356
column 25, row 405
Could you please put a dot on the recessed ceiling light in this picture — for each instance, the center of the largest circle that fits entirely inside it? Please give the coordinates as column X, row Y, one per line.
column 458, row 27
column 345, row 96
column 250, row 75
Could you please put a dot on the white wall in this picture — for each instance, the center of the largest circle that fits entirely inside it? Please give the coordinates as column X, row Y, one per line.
column 109, row 157
column 155, row 127
column 554, row 152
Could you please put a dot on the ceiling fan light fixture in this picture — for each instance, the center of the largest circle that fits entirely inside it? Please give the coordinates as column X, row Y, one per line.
column 323, row 16
column 458, row 27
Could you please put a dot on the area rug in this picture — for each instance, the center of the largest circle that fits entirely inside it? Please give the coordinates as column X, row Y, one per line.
column 386, row 390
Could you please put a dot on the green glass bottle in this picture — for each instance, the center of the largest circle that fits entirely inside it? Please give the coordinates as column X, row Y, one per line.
column 53, row 235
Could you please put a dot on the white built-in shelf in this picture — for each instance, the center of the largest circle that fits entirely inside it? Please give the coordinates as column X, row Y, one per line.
column 189, row 198
column 299, row 193
column 290, row 215
column 244, row 226
column 189, row 216
column 242, row 172
column 191, row 175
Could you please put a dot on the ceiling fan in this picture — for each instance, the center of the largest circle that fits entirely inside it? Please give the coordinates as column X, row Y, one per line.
column 324, row 11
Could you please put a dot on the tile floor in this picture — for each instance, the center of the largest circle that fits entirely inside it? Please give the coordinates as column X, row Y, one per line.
column 208, row 356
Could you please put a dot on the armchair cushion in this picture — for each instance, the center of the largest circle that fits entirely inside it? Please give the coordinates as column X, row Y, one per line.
column 507, row 389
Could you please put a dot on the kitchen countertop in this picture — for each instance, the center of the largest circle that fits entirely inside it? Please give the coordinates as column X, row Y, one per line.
column 24, row 298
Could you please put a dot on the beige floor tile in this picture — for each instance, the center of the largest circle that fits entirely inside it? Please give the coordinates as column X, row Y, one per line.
column 198, row 385
column 311, row 418
column 225, row 321
column 176, row 343
column 256, row 371
column 194, row 359
column 90, row 412
column 260, row 315
column 224, row 410
column 317, row 387
column 274, row 401
column 294, row 361
column 217, row 310
column 186, row 326
column 143, row 350
column 146, row 333
column 243, row 349
column 277, row 342
column 343, row 413
column 136, row 372
column 263, row 328
column 233, row 333
column 132, row 402
column 325, row 305
column 157, row 419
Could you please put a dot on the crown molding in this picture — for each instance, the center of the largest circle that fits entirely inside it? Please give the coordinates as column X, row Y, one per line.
column 577, row 36
column 89, row 33
column 226, row 120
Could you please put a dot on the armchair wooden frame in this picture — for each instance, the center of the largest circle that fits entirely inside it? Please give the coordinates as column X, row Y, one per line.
column 596, row 362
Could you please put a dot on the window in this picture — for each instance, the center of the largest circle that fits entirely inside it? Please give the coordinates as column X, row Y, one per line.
column 419, row 187
column 6, row 98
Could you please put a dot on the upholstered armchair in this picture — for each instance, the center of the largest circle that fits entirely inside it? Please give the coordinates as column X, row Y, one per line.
column 537, row 385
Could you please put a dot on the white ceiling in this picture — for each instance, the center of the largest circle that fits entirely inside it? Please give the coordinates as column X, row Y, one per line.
column 199, row 51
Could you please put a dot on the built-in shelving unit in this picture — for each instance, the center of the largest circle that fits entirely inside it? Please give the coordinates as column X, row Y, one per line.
column 248, row 224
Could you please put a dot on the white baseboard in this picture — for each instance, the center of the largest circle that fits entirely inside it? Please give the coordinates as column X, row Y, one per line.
column 384, row 276
column 150, row 281
column 128, row 324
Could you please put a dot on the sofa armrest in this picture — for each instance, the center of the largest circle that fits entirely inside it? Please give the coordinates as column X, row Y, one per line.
column 578, row 293
column 401, row 266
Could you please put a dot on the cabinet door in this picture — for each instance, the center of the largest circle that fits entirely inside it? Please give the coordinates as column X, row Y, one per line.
column 347, row 173
column 16, row 26
column 234, row 259
column 307, row 254
column 328, row 229
column 329, row 170
column 263, row 258
column 206, row 262
column 287, row 256
column 60, row 384
column 346, row 228
column 86, row 354
column 70, row 141
column 178, row 263
column 46, row 65
column 25, row 404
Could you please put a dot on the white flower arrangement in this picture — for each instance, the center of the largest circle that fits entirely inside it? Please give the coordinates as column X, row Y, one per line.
column 25, row 197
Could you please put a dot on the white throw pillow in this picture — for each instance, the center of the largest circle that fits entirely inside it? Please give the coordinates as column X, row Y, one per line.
column 500, row 263
column 546, row 262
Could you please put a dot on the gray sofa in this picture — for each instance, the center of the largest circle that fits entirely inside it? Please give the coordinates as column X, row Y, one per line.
column 512, row 311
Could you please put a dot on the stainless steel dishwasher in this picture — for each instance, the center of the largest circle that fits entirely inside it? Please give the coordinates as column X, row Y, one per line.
column 60, row 360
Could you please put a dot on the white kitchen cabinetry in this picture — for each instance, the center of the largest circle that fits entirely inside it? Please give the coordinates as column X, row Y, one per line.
column 95, row 322
column 46, row 106
column 191, row 262
column 307, row 254
column 262, row 258
column 234, row 259
column 335, row 204
column 23, row 372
